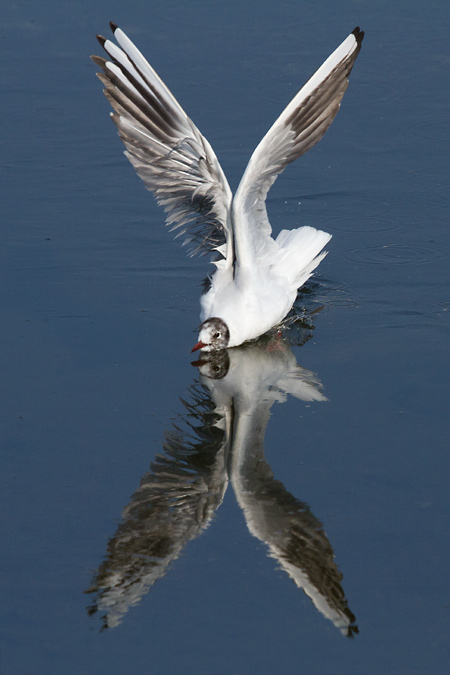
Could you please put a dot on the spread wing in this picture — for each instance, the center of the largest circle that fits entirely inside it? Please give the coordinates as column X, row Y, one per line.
column 301, row 125
column 165, row 147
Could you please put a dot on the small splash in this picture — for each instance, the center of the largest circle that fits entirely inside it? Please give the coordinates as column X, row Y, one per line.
column 324, row 292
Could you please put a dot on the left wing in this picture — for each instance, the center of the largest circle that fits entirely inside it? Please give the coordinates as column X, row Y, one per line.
column 299, row 127
column 167, row 150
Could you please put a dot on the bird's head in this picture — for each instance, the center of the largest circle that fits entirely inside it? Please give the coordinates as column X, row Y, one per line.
column 213, row 334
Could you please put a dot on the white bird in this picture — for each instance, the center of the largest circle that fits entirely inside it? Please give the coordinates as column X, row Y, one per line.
column 257, row 277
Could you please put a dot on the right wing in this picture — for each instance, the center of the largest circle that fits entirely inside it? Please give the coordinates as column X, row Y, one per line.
column 167, row 150
column 300, row 126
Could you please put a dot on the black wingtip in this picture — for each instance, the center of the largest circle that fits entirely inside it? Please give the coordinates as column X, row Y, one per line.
column 101, row 39
column 99, row 61
column 359, row 34
column 114, row 26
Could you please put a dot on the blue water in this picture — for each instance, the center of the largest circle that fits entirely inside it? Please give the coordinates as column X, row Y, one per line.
column 99, row 310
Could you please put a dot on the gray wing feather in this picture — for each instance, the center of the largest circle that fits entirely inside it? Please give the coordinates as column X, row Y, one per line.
column 166, row 149
column 301, row 125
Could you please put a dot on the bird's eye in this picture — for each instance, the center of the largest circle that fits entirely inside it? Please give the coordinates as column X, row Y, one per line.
column 216, row 335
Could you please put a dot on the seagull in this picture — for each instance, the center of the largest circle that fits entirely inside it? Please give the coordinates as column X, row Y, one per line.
column 257, row 277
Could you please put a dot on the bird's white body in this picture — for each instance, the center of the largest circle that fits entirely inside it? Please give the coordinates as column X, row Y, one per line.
column 257, row 277
column 251, row 300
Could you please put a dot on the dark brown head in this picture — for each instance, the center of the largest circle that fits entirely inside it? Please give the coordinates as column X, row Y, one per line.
column 213, row 334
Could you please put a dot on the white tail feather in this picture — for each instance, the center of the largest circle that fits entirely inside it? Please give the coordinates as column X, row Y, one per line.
column 298, row 254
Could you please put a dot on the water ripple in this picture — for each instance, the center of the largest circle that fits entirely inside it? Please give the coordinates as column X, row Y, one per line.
column 433, row 129
column 366, row 223
column 418, row 253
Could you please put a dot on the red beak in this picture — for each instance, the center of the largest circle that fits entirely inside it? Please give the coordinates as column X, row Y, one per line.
column 199, row 345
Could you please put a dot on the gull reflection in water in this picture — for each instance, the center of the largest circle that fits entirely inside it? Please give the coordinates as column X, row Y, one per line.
column 219, row 439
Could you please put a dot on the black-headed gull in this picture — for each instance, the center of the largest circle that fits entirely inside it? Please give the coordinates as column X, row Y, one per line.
column 257, row 277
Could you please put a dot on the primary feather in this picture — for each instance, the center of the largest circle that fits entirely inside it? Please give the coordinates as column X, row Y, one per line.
column 165, row 147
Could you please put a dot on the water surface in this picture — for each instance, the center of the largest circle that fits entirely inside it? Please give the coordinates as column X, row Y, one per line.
column 99, row 309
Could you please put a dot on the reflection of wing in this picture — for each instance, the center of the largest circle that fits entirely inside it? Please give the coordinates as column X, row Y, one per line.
column 174, row 503
column 165, row 147
column 294, row 536
column 257, row 376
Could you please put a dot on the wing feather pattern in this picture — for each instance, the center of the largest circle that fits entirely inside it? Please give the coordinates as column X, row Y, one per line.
column 167, row 150
column 301, row 125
